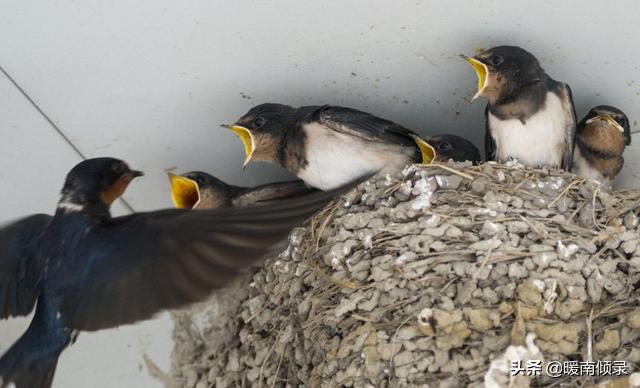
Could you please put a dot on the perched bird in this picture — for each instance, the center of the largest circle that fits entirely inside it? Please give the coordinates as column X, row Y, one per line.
column 529, row 117
column 601, row 137
column 199, row 190
column 86, row 271
column 327, row 146
column 453, row 147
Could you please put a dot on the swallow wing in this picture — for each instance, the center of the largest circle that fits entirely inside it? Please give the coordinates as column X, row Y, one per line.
column 271, row 192
column 20, row 266
column 364, row 125
column 489, row 142
column 570, row 127
column 141, row 264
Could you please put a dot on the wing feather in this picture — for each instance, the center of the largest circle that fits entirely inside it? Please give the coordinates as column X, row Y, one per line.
column 147, row 262
column 20, row 266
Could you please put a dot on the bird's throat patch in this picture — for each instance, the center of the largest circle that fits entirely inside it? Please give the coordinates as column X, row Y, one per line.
column 184, row 192
column 116, row 190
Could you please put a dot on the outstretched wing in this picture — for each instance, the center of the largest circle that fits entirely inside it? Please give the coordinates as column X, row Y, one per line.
column 144, row 263
column 20, row 267
column 271, row 192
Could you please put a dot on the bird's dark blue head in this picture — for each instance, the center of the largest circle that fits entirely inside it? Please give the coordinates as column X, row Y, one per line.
column 97, row 180
column 503, row 71
column 198, row 189
column 454, row 147
column 606, row 116
column 261, row 130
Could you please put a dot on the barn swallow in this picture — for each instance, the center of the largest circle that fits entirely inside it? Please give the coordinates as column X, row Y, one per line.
column 199, row 190
column 529, row 116
column 600, row 141
column 452, row 147
column 86, row 271
column 327, row 146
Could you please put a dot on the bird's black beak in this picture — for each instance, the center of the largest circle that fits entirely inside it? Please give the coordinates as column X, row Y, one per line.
column 134, row 174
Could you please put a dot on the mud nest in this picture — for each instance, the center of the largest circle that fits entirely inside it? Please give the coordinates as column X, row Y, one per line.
column 424, row 279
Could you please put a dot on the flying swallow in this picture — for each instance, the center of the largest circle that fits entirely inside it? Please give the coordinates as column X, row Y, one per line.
column 327, row 146
column 84, row 270
column 199, row 190
column 601, row 138
column 529, row 116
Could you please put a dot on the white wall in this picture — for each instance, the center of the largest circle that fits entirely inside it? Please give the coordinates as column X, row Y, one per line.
column 150, row 81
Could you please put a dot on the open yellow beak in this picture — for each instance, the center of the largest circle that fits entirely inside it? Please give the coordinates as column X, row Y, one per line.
column 606, row 117
column 428, row 152
column 185, row 193
column 481, row 71
column 247, row 140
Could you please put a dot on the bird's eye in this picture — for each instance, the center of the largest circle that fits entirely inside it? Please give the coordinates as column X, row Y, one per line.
column 116, row 167
column 496, row 60
column 445, row 146
column 199, row 180
column 621, row 121
column 259, row 122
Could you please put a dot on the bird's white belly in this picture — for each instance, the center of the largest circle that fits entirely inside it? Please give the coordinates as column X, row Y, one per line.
column 582, row 167
column 335, row 159
column 538, row 142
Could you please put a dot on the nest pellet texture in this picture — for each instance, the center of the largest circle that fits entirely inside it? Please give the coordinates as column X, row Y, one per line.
column 424, row 278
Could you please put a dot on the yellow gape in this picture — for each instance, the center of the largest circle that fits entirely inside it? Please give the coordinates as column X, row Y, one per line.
column 607, row 118
column 481, row 71
column 184, row 192
column 428, row 152
column 247, row 140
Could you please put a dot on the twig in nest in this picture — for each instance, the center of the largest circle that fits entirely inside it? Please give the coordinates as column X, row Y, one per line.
column 451, row 170
column 328, row 217
column 393, row 342
column 590, row 337
column 565, row 191
column 483, row 263
column 275, row 375
column 321, row 274
column 593, row 208
column 266, row 358
column 258, row 312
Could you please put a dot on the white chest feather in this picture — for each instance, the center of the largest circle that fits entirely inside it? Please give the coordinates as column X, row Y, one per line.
column 583, row 168
column 335, row 158
column 540, row 141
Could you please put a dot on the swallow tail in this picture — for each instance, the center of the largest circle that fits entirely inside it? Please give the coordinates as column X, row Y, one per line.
column 31, row 361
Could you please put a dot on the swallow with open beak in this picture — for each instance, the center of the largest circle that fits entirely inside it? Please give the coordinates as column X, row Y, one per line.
column 600, row 141
column 452, row 147
column 529, row 117
column 199, row 190
column 84, row 270
column 327, row 146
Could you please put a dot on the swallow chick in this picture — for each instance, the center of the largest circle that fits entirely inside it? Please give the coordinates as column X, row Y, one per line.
column 327, row 146
column 529, row 116
column 452, row 147
column 84, row 270
column 600, row 141
column 199, row 190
